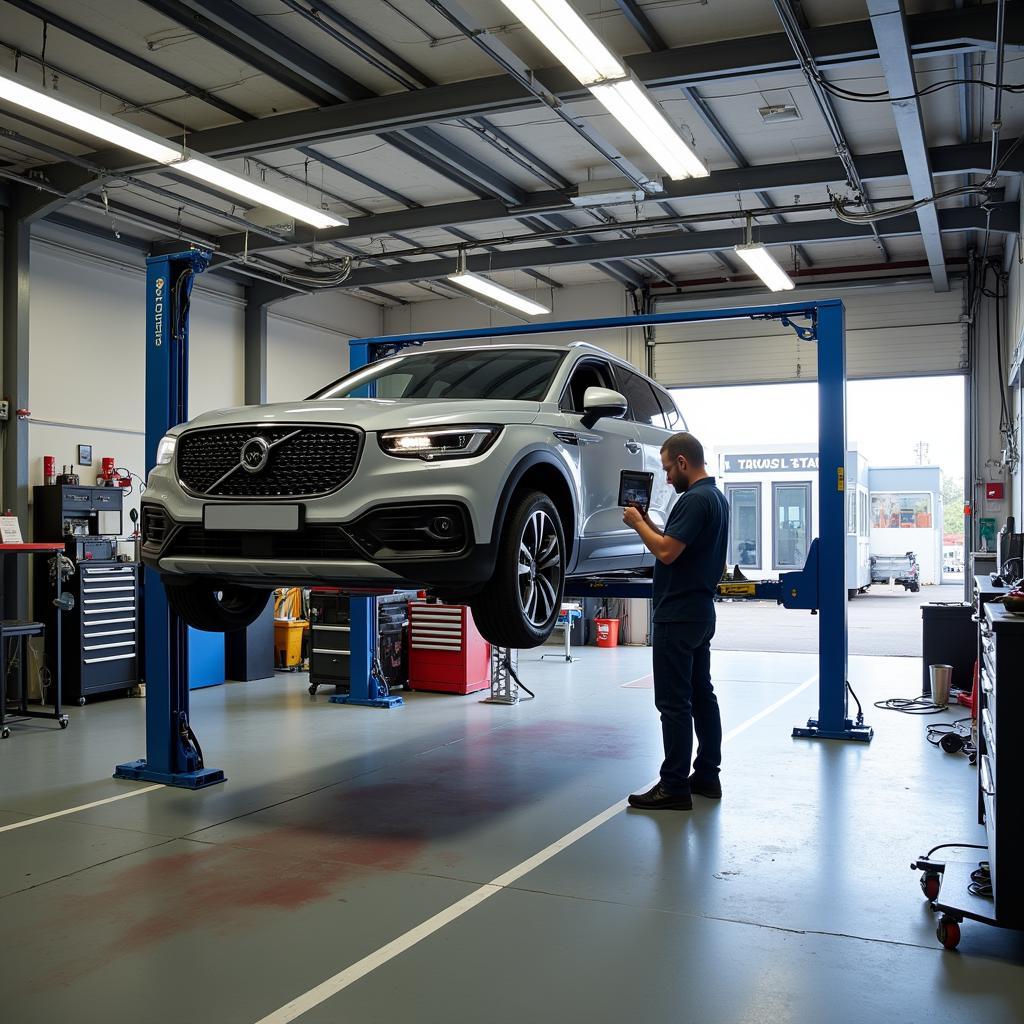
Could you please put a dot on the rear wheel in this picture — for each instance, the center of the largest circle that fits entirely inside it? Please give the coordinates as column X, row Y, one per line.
column 519, row 605
column 215, row 609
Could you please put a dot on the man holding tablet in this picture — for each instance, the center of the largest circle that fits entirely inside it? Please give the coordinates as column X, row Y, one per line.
column 690, row 557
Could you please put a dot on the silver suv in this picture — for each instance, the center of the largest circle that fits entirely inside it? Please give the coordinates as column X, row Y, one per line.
column 485, row 474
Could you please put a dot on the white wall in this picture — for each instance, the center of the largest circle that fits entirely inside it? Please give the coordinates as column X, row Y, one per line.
column 571, row 303
column 307, row 341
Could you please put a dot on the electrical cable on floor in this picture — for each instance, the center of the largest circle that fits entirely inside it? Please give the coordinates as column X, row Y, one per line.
column 911, row 705
column 956, row 846
column 860, row 709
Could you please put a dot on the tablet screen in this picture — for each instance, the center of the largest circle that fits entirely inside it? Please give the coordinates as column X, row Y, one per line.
column 635, row 488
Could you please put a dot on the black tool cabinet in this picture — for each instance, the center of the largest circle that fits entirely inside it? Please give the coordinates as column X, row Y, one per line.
column 330, row 639
column 1001, row 757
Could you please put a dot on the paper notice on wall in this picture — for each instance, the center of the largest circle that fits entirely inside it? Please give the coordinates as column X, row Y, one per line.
column 10, row 530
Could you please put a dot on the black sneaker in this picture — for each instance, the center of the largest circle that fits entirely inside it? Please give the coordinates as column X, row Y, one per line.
column 659, row 799
column 712, row 790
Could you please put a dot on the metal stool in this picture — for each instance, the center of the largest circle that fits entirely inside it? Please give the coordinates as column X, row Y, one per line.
column 20, row 630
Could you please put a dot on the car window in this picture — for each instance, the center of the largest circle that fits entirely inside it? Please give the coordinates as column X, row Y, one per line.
column 586, row 375
column 518, row 374
column 673, row 421
column 643, row 406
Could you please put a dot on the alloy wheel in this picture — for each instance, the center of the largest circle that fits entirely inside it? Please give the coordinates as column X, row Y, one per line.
column 540, row 568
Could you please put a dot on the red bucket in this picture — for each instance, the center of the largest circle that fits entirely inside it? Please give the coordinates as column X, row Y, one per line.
column 607, row 632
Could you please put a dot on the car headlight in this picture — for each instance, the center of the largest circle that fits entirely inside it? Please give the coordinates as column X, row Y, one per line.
column 165, row 449
column 438, row 443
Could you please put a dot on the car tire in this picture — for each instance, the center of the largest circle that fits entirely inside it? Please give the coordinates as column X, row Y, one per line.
column 519, row 606
column 215, row 609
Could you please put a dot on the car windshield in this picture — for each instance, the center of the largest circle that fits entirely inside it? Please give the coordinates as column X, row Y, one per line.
column 499, row 373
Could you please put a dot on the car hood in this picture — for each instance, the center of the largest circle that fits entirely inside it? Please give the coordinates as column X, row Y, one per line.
column 373, row 413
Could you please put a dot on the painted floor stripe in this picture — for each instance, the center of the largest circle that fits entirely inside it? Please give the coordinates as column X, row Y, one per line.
column 343, row 979
column 81, row 807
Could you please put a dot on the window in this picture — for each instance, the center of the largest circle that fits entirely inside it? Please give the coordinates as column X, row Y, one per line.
column 673, row 421
column 863, row 521
column 586, row 375
column 643, row 406
column 500, row 373
column 851, row 512
column 901, row 511
column 744, row 525
column 791, row 524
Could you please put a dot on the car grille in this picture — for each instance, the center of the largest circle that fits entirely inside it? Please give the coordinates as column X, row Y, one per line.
column 154, row 525
column 303, row 462
column 311, row 544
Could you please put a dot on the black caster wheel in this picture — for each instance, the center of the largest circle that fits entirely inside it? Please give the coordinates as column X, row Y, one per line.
column 63, row 722
column 81, row 702
column 930, row 884
column 5, row 734
column 312, row 689
column 948, row 933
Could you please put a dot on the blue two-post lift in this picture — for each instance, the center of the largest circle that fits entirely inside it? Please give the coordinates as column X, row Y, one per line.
column 173, row 755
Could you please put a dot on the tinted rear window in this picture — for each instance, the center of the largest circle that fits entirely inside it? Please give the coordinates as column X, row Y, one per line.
column 517, row 374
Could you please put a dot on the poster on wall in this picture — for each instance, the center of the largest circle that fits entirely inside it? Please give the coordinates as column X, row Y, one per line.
column 986, row 534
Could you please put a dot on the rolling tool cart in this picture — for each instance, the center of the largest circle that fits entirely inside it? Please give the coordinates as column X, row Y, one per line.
column 992, row 889
column 100, row 643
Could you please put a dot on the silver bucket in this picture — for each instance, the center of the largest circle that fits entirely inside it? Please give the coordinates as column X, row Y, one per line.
column 940, row 676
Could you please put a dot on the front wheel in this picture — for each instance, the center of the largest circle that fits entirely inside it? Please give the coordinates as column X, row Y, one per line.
column 518, row 607
column 215, row 609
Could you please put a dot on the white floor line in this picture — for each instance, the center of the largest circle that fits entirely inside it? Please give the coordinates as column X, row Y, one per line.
column 343, row 979
column 81, row 807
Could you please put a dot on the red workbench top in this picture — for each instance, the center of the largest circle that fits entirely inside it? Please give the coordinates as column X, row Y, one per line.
column 31, row 547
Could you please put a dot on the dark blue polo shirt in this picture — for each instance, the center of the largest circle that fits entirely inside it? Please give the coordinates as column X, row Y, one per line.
column 684, row 591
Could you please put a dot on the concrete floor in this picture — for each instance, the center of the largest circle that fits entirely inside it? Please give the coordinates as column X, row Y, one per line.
column 884, row 621
column 340, row 829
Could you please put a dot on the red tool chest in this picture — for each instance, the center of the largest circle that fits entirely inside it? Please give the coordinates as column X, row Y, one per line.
column 446, row 653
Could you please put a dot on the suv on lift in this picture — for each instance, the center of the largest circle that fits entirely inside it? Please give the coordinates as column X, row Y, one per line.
column 486, row 474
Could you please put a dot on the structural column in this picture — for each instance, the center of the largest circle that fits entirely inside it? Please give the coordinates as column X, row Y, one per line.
column 254, row 352
column 17, row 235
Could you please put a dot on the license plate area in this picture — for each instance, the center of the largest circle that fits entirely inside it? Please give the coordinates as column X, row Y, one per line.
column 253, row 518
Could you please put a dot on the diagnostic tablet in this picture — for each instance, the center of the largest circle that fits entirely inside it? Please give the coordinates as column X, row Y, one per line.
column 635, row 489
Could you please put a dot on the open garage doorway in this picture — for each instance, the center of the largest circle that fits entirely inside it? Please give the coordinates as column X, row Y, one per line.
column 905, row 473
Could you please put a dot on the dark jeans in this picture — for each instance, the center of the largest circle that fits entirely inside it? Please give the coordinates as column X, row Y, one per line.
column 686, row 699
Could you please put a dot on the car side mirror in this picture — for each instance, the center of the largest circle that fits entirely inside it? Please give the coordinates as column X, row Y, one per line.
column 601, row 402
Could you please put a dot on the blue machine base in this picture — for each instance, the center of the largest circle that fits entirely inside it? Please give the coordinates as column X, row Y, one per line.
column 860, row 733
column 372, row 702
column 138, row 771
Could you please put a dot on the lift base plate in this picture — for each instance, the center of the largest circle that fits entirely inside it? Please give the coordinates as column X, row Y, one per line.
column 372, row 702
column 859, row 733
column 139, row 771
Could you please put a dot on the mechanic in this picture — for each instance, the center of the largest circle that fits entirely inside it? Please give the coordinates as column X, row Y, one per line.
column 690, row 555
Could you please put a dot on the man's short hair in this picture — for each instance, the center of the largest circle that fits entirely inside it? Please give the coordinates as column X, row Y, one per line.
column 687, row 445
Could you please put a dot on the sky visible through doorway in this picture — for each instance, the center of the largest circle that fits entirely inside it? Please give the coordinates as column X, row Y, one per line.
column 885, row 418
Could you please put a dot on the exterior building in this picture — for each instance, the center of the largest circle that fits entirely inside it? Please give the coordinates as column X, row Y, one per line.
column 773, row 499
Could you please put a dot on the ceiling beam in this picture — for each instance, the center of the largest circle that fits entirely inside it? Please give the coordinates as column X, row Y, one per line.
column 833, row 45
column 888, row 20
column 1005, row 220
column 793, row 174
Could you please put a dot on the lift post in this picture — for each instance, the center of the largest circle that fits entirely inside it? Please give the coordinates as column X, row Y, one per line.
column 821, row 585
column 173, row 755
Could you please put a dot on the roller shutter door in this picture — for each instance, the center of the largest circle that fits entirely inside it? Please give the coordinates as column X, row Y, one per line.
column 899, row 330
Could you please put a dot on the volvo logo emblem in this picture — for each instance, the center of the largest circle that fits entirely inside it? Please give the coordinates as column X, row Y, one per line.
column 255, row 453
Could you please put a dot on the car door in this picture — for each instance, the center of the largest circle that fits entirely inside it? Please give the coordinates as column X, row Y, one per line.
column 605, row 449
column 650, row 420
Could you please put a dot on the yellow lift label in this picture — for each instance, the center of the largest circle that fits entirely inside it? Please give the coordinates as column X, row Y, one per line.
column 841, row 472
column 737, row 589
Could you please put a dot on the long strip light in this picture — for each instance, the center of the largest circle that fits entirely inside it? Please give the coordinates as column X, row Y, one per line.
column 572, row 42
column 153, row 147
column 495, row 292
column 109, row 129
column 214, row 174
column 762, row 263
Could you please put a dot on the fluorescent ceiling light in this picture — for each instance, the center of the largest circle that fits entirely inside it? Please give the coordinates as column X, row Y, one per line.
column 632, row 106
column 495, row 292
column 215, row 175
column 569, row 38
column 762, row 263
column 109, row 129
